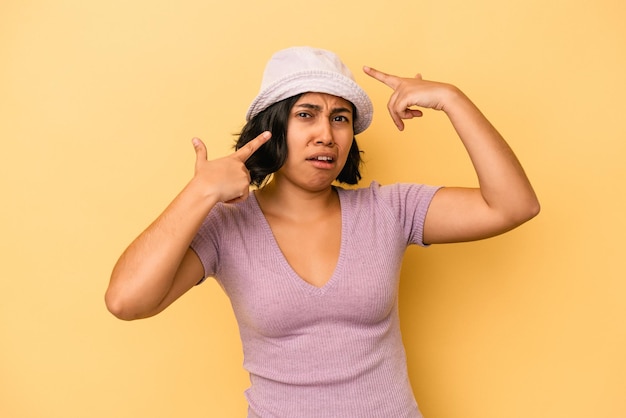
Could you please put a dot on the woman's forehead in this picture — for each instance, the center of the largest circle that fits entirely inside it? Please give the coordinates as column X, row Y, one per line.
column 324, row 98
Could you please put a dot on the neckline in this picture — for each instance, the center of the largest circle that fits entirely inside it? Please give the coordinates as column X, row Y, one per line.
column 293, row 275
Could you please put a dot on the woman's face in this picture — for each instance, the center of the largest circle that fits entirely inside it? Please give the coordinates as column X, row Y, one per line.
column 319, row 135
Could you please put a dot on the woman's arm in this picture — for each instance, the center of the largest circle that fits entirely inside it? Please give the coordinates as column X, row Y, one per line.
column 504, row 199
column 158, row 266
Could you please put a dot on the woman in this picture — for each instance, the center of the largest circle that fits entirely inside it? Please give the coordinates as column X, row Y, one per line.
column 312, row 269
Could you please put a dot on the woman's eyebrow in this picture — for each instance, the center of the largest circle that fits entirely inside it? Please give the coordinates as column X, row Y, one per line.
column 310, row 106
column 341, row 110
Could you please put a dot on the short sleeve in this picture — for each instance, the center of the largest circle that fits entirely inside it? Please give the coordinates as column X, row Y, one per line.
column 409, row 203
column 205, row 245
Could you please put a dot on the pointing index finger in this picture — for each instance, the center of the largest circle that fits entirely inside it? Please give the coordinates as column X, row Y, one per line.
column 251, row 147
column 388, row 79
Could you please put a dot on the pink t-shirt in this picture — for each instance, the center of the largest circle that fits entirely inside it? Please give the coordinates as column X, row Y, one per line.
column 334, row 351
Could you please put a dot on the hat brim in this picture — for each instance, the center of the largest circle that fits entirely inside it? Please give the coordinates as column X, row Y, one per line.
column 316, row 81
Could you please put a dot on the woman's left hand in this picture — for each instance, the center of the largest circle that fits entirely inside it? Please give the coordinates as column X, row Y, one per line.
column 411, row 92
column 504, row 198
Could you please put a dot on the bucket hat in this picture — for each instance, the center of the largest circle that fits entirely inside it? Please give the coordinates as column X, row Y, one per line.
column 304, row 69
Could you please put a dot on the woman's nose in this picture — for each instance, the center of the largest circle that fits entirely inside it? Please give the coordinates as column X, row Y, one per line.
column 325, row 134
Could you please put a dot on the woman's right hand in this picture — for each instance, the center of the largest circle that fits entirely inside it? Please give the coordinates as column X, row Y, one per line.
column 226, row 179
column 158, row 266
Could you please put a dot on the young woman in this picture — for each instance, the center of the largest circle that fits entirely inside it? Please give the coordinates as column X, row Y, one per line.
column 312, row 269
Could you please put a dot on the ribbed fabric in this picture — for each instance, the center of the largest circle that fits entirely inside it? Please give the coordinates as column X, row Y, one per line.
column 329, row 352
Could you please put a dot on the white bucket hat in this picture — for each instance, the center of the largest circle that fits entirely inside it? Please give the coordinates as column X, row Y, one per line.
column 304, row 69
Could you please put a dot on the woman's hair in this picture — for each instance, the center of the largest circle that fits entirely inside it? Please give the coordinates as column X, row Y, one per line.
column 271, row 156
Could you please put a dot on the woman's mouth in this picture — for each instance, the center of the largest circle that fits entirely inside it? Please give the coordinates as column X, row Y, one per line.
column 322, row 161
column 322, row 158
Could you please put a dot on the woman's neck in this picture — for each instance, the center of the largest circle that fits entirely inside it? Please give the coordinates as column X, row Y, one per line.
column 296, row 203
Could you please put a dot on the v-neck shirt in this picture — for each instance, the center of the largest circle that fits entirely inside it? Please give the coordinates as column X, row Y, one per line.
column 330, row 351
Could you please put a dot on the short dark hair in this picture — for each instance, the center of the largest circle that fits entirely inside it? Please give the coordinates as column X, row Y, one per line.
column 271, row 156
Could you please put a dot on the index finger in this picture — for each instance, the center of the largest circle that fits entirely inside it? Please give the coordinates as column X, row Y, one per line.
column 388, row 79
column 251, row 147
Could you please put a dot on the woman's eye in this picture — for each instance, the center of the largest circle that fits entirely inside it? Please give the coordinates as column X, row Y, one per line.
column 303, row 115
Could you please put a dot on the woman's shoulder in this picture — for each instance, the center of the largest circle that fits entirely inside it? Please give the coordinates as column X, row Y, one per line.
column 376, row 189
column 228, row 214
column 366, row 196
column 395, row 195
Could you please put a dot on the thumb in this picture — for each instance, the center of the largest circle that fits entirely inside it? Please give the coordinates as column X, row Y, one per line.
column 201, row 153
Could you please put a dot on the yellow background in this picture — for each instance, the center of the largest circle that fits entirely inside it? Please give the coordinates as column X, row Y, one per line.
column 99, row 101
